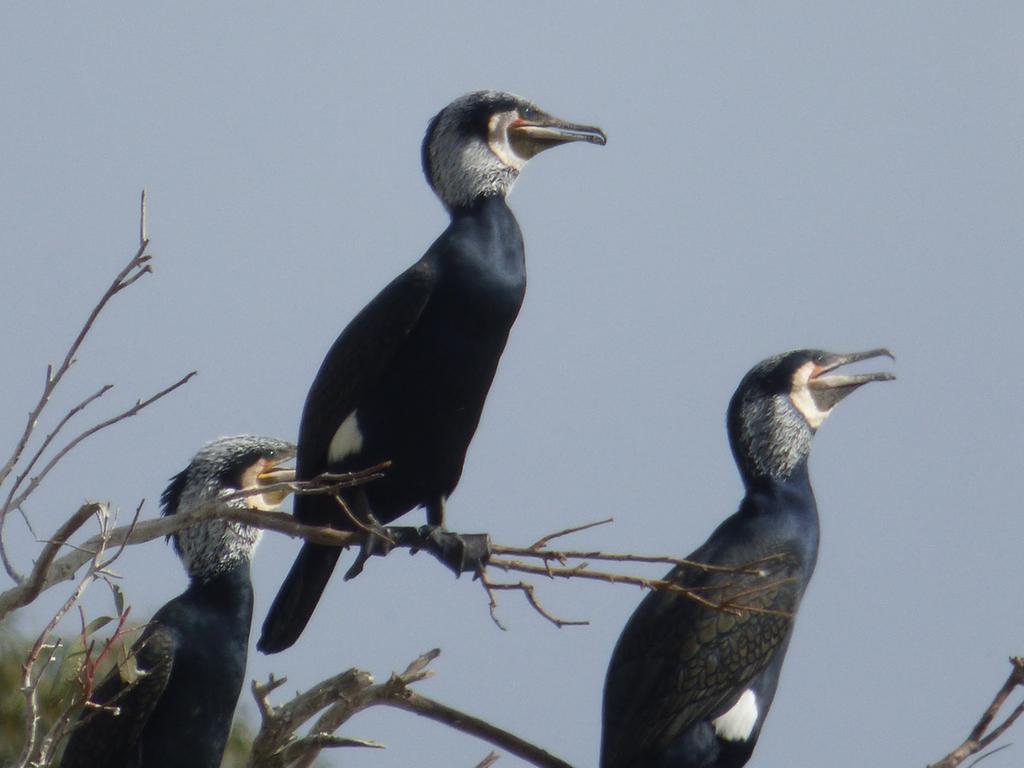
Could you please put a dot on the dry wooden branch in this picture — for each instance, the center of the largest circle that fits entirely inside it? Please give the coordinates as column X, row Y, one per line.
column 65, row 567
column 413, row 702
column 581, row 572
column 138, row 266
column 32, row 586
column 531, row 597
column 978, row 740
column 16, row 501
column 34, row 751
column 50, row 438
column 542, row 542
column 343, row 696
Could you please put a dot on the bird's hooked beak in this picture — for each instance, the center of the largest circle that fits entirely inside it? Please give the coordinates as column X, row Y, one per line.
column 829, row 390
column 530, row 137
column 270, row 472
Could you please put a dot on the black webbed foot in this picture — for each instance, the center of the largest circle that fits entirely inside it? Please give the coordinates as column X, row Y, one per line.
column 376, row 541
column 465, row 552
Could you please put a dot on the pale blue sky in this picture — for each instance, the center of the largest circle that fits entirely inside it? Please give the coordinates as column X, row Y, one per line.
column 842, row 175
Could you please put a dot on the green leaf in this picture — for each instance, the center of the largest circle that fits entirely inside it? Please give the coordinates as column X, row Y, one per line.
column 118, row 599
column 98, row 623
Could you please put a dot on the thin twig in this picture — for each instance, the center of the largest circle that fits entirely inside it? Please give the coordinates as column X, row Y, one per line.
column 580, row 572
column 474, row 726
column 64, row 568
column 492, row 602
column 296, row 753
column 138, row 262
column 543, row 540
column 49, row 439
column 351, row 692
column 29, row 687
column 137, row 266
column 324, row 484
column 988, row 754
column 560, row 555
column 977, row 741
column 32, row 586
column 125, row 414
column 529, row 592
column 488, row 761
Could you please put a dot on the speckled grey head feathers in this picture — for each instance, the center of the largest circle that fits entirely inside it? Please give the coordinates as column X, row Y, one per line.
column 782, row 401
column 457, row 159
column 769, row 437
column 220, row 468
column 477, row 145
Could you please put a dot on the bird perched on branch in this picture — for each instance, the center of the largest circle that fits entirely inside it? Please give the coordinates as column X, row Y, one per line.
column 694, row 674
column 405, row 382
column 175, row 696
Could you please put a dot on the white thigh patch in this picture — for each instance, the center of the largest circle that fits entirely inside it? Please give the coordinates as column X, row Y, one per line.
column 738, row 723
column 347, row 440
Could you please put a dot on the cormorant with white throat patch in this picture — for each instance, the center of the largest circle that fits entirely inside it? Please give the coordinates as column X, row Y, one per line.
column 176, row 695
column 405, row 382
column 689, row 684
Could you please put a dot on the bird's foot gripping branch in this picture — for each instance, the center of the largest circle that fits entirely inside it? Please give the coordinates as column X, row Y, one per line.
column 460, row 552
column 476, row 553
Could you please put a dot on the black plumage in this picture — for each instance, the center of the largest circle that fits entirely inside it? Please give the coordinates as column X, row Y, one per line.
column 406, row 380
column 176, row 693
column 689, row 685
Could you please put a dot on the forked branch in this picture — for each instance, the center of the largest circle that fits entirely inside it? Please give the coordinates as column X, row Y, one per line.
column 28, row 479
column 49, row 571
column 978, row 740
column 342, row 696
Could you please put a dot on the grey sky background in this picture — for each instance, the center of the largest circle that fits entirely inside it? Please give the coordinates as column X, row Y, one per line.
column 842, row 175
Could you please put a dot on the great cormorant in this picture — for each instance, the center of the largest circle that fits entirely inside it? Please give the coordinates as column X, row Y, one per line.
column 689, row 685
column 406, row 380
column 176, row 694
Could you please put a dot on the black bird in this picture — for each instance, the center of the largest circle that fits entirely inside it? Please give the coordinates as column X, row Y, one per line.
column 405, row 382
column 689, row 686
column 176, row 694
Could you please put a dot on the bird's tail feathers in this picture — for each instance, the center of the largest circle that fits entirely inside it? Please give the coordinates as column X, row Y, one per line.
column 297, row 598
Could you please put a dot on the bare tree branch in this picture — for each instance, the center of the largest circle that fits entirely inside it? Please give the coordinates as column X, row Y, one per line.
column 64, row 568
column 351, row 692
column 136, row 267
column 529, row 593
column 581, row 572
column 488, row 761
column 977, row 740
column 31, row 753
column 137, row 264
column 543, row 540
column 49, row 439
column 125, row 414
column 32, row 586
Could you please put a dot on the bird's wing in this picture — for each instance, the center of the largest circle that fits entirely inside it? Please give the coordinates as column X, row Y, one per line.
column 356, row 360
column 103, row 739
column 679, row 662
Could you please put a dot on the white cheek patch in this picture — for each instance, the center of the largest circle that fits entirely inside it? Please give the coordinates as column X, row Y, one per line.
column 802, row 399
column 497, row 140
column 738, row 723
column 347, row 440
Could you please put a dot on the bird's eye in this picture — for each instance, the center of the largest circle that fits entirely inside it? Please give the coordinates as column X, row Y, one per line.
column 528, row 113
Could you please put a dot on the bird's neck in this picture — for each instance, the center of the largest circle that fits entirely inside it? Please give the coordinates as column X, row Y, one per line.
column 484, row 239
column 484, row 206
column 229, row 591
column 769, row 493
column 787, row 506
